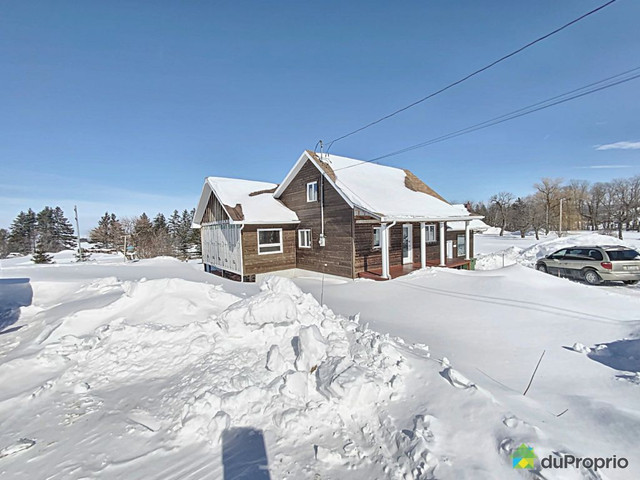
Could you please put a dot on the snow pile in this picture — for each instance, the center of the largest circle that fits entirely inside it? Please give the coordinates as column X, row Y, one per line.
column 503, row 258
column 528, row 256
column 172, row 363
column 533, row 253
column 283, row 364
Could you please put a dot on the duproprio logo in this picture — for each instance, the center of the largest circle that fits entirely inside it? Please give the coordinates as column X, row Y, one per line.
column 524, row 457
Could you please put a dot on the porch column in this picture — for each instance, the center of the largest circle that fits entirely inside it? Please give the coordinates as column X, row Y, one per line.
column 443, row 235
column 384, row 248
column 423, row 245
column 467, row 246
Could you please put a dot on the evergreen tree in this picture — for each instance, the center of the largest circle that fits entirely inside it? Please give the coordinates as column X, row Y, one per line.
column 46, row 230
column 143, row 236
column 174, row 229
column 100, row 234
column 183, row 235
column 521, row 216
column 40, row 255
column 82, row 255
column 162, row 239
column 22, row 237
column 4, row 243
column 108, row 233
column 64, row 231
column 160, row 224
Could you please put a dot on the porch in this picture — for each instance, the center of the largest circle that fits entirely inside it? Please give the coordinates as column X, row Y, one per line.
column 400, row 270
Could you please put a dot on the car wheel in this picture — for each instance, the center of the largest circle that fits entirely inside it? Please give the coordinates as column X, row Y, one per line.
column 541, row 267
column 630, row 282
column 592, row 277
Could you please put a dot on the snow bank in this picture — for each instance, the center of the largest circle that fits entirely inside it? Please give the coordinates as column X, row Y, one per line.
column 182, row 363
column 528, row 256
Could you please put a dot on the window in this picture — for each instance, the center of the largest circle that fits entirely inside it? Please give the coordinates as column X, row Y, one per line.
column 620, row 255
column 269, row 240
column 376, row 237
column 431, row 233
column 304, row 238
column 462, row 251
column 595, row 254
column 312, row 192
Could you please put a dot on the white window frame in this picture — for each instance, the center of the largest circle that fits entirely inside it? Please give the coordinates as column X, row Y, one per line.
column 430, row 233
column 279, row 244
column 312, row 193
column 302, row 233
column 379, row 229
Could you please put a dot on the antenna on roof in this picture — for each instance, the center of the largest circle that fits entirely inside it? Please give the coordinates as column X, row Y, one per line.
column 323, row 156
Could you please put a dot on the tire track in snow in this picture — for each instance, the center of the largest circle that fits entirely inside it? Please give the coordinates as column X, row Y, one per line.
column 523, row 304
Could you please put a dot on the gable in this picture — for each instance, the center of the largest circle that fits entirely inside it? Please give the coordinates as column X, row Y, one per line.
column 236, row 201
column 214, row 211
column 295, row 194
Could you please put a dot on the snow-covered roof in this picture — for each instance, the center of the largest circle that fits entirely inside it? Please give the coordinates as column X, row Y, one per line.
column 476, row 224
column 387, row 192
column 245, row 201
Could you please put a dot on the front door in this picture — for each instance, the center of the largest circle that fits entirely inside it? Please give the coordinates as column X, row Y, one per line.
column 407, row 243
column 449, row 248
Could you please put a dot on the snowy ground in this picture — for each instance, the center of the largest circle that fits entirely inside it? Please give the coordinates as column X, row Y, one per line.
column 158, row 370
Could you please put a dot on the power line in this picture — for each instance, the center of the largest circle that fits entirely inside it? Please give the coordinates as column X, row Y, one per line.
column 457, row 82
column 550, row 102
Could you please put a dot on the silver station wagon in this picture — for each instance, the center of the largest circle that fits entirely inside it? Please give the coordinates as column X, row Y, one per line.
column 594, row 264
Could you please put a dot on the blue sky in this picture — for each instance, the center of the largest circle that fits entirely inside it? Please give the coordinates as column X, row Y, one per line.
column 127, row 106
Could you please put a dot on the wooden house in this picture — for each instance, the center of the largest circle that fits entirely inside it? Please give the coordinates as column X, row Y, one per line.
column 334, row 215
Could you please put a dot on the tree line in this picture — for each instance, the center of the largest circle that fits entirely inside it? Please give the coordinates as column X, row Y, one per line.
column 50, row 231
column 150, row 238
column 603, row 206
column 46, row 231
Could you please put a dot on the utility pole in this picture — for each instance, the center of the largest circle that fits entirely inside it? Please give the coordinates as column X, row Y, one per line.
column 560, row 232
column 75, row 209
column 125, row 248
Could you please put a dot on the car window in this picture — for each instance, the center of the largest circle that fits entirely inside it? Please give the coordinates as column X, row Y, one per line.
column 559, row 253
column 595, row 254
column 573, row 254
column 621, row 255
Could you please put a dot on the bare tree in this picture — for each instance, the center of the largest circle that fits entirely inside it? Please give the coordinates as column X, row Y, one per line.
column 537, row 211
column 593, row 205
column 576, row 194
column 502, row 202
column 549, row 188
column 622, row 203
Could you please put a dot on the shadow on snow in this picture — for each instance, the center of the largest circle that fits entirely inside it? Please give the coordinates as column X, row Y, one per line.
column 14, row 293
column 620, row 355
column 244, row 455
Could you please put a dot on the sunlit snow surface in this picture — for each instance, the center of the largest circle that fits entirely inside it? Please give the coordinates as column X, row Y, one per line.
column 158, row 370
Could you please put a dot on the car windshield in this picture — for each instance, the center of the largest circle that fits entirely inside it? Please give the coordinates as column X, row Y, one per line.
column 618, row 255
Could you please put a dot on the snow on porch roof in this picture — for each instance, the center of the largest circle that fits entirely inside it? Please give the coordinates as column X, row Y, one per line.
column 245, row 201
column 388, row 192
column 477, row 224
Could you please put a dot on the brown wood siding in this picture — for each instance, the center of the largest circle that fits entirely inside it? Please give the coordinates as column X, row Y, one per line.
column 338, row 225
column 254, row 263
column 368, row 257
column 214, row 211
